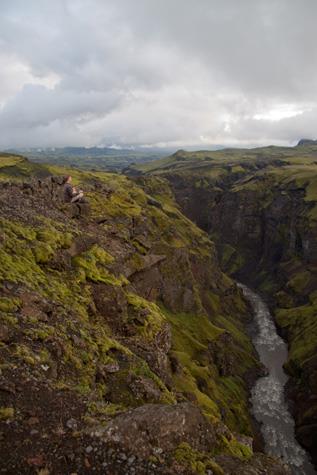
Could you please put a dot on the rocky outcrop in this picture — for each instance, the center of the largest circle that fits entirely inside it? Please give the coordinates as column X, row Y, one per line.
column 149, row 439
column 155, row 429
column 258, row 465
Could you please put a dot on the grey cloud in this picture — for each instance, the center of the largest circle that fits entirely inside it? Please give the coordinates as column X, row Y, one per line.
column 145, row 71
column 288, row 130
column 37, row 105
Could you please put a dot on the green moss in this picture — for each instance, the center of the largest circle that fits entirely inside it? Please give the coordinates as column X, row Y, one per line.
column 199, row 376
column 127, row 200
column 41, row 332
column 232, row 259
column 14, row 230
column 300, row 281
column 196, row 461
column 267, row 286
column 7, row 160
column 301, row 325
column 284, row 299
column 44, row 356
column 43, row 253
column 139, row 247
column 21, row 254
column 191, row 331
column 92, row 265
column 83, row 388
column 9, row 304
column 147, row 316
column 232, row 446
column 237, row 169
column 6, row 413
column 190, row 337
column 312, row 297
column 25, row 354
column 136, row 262
column 9, row 319
column 105, row 408
column 232, row 389
column 141, row 368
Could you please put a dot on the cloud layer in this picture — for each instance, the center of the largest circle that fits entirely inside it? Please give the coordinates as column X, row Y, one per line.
column 143, row 72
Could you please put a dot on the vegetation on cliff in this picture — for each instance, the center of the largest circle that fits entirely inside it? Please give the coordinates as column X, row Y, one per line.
column 111, row 308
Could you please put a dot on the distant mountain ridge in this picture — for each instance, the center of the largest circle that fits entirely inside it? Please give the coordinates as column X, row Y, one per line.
column 303, row 142
column 101, row 158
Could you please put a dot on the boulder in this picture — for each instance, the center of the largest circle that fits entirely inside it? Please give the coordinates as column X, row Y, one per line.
column 259, row 464
column 154, row 428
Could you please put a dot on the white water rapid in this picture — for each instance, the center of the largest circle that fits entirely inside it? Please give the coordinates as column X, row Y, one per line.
column 268, row 402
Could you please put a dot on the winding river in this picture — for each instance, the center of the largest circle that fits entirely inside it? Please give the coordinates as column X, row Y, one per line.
column 268, row 403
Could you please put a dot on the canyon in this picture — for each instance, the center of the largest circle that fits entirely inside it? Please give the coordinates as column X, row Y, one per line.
column 259, row 207
column 124, row 342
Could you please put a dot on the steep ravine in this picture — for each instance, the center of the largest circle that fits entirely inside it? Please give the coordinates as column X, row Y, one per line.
column 265, row 230
column 269, row 405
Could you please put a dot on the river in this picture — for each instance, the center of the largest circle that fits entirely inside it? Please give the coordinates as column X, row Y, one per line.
column 269, row 406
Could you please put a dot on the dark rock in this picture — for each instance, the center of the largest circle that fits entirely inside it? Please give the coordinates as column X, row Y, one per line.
column 259, row 464
column 144, row 389
column 82, row 244
column 61, row 261
column 221, row 356
column 104, row 370
column 79, row 209
column 176, row 367
column 4, row 333
column 153, row 202
column 111, row 303
column 141, row 430
column 144, row 263
column 112, row 367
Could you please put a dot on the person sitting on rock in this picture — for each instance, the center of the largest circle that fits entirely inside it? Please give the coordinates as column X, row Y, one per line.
column 71, row 195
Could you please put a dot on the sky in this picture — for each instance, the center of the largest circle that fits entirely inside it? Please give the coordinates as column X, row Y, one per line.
column 169, row 73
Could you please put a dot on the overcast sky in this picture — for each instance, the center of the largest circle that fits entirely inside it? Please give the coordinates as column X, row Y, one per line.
column 157, row 72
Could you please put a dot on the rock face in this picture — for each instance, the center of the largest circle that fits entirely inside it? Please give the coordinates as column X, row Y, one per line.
column 258, row 465
column 153, row 429
column 261, row 210
column 281, row 240
column 114, row 327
